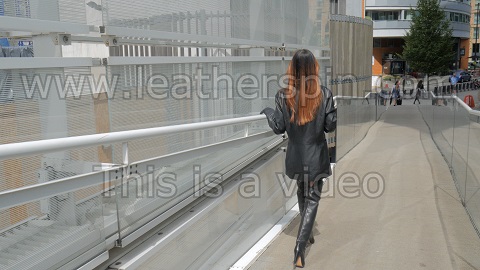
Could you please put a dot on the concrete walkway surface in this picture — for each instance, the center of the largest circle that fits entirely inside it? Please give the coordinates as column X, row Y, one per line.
column 417, row 223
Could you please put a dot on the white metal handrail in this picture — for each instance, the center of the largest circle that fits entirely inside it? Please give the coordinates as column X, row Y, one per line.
column 31, row 193
column 23, row 195
column 470, row 110
column 14, row 150
column 352, row 97
column 9, row 198
column 465, row 106
column 53, row 145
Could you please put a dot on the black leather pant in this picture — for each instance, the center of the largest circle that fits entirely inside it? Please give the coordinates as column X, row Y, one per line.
column 308, row 198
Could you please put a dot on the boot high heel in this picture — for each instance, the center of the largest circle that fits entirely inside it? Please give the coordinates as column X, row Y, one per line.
column 311, row 239
column 299, row 258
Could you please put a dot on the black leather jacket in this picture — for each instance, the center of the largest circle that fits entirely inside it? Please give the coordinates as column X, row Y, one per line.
column 307, row 152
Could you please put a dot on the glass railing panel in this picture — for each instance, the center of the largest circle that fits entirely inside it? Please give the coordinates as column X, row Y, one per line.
column 460, row 147
column 442, row 130
column 345, row 126
column 29, row 171
column 355, row 116
column 472, row 196
column 221, row 237
column 428, row 112
column 365, row 116
column 455, row 131
column 148, row 194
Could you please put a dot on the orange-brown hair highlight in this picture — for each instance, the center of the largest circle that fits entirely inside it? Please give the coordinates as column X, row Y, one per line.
column 303, row 80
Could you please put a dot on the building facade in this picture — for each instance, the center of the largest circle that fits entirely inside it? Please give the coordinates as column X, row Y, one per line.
column 474, row 35
column 391, row 21
column 354, row 8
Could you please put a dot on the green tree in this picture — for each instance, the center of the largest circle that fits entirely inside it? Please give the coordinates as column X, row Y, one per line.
column 429, row 45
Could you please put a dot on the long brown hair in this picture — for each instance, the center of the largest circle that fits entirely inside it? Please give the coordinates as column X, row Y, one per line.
column 303, row 80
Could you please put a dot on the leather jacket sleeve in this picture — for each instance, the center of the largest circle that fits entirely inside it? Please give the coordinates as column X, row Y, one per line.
column 330, row 115
column 275, row 117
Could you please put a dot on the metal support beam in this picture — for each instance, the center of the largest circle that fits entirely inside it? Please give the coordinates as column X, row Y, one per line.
column 47, row 62
column 164, row 35
column 122, row 61
column 41, row 26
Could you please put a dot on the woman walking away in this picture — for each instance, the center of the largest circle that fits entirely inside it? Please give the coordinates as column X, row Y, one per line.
column 305, row 110
column 395, row 93
column 419, row 92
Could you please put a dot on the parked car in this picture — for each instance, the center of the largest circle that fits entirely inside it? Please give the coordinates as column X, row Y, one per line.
column 463, row 76
column 472, row 66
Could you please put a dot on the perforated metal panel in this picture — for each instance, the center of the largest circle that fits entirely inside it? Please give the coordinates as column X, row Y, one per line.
column 30, row 234
column 73, row 11
column 161, row 15
column 294, row 22
column 31, row 114
column 52, row 10
column 183, row 101
column 65, row 225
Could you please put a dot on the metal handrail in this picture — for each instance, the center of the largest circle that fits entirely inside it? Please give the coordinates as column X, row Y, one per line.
column 31, row 193
column 14, row 150
column 19, row 196
column 465, row 106
column 51, row 188
column 352, row 97
column 470, row 110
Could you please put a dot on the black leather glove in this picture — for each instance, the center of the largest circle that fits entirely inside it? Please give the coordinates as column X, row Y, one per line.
column 267, row 111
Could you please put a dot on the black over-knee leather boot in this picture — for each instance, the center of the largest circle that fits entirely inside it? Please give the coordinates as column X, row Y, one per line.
column 306, row 224
column 301, row 190
column 301, row 196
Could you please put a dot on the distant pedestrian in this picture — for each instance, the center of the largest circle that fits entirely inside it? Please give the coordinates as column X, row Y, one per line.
column 453, row 81
column 384, row 96
column 395, row 93
column 419, row 92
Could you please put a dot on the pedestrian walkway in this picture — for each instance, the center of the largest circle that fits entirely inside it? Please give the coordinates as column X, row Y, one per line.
column 417, row 223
